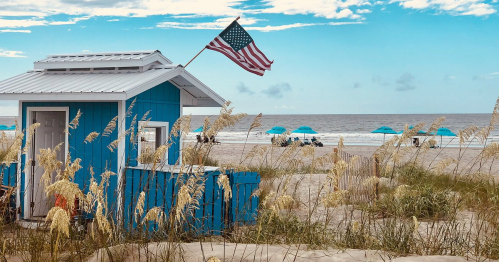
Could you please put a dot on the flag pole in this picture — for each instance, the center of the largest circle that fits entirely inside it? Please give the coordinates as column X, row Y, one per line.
column 203, row 49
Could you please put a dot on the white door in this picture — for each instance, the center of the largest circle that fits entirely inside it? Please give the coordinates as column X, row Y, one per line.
column 48, row 135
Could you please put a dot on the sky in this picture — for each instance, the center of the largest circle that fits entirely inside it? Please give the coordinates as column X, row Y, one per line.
column 330, row 56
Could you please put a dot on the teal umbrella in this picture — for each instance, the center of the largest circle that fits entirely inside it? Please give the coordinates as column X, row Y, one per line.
column 384, row 130
column 200, row 129
column 420, row 132
column 13, row 127
column 4, row 127
column 443, row 131
column 304, row 130
column 276, row 130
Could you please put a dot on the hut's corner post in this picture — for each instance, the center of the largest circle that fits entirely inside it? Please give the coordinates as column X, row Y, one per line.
column 121, row 168
column 376, row 171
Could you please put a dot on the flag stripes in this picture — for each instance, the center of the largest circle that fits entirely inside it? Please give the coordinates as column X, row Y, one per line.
column 246, row 57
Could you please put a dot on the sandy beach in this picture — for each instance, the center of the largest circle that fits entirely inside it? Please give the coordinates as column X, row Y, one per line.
column 227, row 153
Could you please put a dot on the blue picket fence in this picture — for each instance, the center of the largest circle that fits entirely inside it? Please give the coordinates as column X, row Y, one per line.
column 213, row 214
column 9, row 174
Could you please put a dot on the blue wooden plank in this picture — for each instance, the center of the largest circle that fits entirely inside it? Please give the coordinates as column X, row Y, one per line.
column 152, row 195
column 208, row 210
column 217, row 205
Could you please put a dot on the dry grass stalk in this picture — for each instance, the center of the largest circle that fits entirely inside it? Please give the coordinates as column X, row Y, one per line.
column 223, row 182
column 110, row 126
column 91, row 137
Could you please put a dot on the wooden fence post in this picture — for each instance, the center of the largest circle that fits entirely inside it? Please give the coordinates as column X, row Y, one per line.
column 335, row 160
column 377, row 172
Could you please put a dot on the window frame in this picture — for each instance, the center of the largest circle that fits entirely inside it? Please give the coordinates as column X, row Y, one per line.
column 163, row 126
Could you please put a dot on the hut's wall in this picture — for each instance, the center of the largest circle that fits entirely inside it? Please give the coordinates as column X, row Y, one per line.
column 163, row 104
column 95, row 117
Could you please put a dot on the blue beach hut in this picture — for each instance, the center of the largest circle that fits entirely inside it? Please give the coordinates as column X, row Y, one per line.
column 101, row 86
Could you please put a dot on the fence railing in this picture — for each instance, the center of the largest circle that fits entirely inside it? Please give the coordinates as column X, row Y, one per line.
column 213, row 215
column 8, row 174
column 356, row 177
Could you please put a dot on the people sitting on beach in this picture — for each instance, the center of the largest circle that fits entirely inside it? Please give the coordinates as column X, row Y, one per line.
column 306, row 142
column 279, row 142
column 289, row 141
column 316, row 142
column 415, row 142
column 213, row 140
column 433, row 143
column 198, row 137
column 297, row 140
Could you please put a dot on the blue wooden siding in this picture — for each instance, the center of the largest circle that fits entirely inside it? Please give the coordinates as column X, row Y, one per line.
column 243, row 203
column 163, row 104
column 9, row 174
column 212, row 216
column 95, row 117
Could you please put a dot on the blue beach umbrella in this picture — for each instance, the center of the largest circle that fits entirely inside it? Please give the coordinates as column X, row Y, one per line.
column 384, row 130
column 420, row 132
column 13, row 127
column 443, row 131
column 4, row 127
column 276, row 130
column 304, row 130
column 200, row 129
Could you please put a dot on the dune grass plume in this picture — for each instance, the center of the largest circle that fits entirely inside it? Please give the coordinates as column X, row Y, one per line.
column 409, row 204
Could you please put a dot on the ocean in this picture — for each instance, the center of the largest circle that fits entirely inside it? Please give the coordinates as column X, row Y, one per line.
column 355, row 129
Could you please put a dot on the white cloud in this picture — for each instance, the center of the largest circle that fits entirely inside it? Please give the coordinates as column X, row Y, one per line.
column 15, row 31
column 6, row 53
column 333, row 9
column 270, row 28
column 218, row 24
column 486, row 76
column 453, row 7
column 363, row 11
column 21, row 13
column 248, row 23
column 113, row 20
column 14, row 23
column 71, row 21
column 345, row 23
column 124, row 7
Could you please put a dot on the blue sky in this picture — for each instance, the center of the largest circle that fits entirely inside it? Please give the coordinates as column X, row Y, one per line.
column 331, row 56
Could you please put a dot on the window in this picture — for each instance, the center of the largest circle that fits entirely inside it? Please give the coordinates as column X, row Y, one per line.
column 153, row 135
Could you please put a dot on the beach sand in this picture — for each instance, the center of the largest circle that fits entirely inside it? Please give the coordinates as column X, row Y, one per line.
column 227, row 153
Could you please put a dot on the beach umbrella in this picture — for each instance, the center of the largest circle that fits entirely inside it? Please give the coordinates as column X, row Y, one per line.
column 4, row 127
column 200, row 129
column 384, row 130
column 304, row 130
column 13, row 127
column 443, row 131
column 276, row 130
column 420, row 132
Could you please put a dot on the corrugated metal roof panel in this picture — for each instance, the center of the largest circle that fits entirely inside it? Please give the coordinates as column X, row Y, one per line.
column 39, row 85
column 115, row 59
column 42, row 82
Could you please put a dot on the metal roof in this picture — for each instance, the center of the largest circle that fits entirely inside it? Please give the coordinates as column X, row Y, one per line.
column 110, row 59
column 38, row 85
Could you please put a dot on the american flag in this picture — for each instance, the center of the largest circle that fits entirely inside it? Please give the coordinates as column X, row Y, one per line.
column 235, row 43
